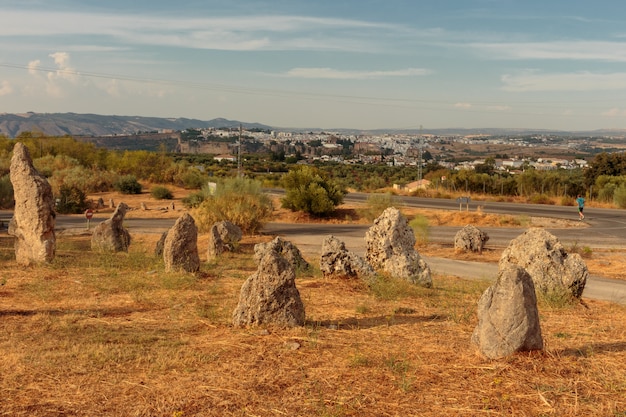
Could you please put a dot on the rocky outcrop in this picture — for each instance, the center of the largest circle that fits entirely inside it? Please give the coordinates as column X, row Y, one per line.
column 286, row 249
column 269, row 296
column 111, row 235
column 390, row 246
column 223, row 236
column 180, row 248
column 508, row 320
column 543, row 256
column 338, row 262
column 470, row 239
column 33, row 220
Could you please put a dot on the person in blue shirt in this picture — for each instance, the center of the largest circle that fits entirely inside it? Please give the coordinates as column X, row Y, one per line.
column 581, row 206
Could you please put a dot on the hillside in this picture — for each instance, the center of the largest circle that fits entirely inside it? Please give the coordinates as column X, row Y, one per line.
column 60, row 124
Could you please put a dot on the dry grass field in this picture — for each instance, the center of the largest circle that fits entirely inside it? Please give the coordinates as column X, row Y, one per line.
column 115, row 335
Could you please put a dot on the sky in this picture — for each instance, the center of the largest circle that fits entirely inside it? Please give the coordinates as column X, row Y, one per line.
column 360, row 64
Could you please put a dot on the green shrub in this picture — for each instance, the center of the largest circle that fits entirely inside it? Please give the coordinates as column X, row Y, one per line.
column 309, row 190
column 71, row 200
column 420, row 227
column 161, row 193
column 619, row 197
column 127, row 184
column 192, row 179
column 377, row 203
column 194, row 200
column 240, row 201
column 7, row 200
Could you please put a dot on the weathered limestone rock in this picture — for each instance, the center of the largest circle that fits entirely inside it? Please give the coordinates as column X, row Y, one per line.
column 158, row 250
column 390, row 246
column 286, row 249
column 508, row 320
column 34, row 217
column 180, row 249
column 223, row 236
column 546, row 261
column 216, row 245
column 110, row 235
column 269, row 296
column 338, row 262
column 470, row 239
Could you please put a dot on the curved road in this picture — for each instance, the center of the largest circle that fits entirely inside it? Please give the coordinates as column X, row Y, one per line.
column 605, row 228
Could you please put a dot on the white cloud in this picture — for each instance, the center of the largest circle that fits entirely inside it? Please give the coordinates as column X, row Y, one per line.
column 557, row 50
column 33, row 67
column 463, row 105
column 5, row 88
column 239, row 33
column 614, row 112
column 579, row 81
column 329, row 73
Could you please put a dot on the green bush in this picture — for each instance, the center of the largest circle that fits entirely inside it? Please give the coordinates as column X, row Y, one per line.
column 7, row 200
column 240, row 201
column 161, row 193
column 619, row 197
column 420, row 227
column 309, row 190
column 377, row 203
column 127, row 184
column 71, row 200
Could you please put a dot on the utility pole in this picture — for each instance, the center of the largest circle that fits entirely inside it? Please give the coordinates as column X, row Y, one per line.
column 239, row 154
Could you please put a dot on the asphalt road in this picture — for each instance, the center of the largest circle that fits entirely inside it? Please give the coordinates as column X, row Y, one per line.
column 606, row 228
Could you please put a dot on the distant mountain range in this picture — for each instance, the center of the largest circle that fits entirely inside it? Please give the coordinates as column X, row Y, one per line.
column 60, row 124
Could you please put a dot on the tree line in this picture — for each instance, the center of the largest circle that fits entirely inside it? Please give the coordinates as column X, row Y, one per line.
column 79, row 168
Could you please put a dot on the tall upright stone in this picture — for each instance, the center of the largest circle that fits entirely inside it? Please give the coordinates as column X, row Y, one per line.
column 508, row 319
column 180, row 249
column 111, row 235
column 390, row 246
column 269, row 296
column 34, row 216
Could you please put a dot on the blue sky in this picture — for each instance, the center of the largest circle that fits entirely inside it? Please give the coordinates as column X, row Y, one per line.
column 366, row 64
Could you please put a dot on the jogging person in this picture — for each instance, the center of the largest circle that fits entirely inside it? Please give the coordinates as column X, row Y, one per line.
column 581, row 206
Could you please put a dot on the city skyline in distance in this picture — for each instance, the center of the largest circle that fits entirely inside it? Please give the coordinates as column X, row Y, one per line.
column 393, row 65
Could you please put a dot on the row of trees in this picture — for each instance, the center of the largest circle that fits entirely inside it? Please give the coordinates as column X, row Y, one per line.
column 77, row 168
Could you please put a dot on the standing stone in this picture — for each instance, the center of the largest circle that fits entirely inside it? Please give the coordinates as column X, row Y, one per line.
column 470, row 239
column 543, row 256
column 158, row 249
column 338, row 262
column 216, row 245
column 143, row 206
column 180, row 249
column 100, row 203
column 269, row 296
column 390, row 246
column 110, row 235
column 286, row 249
column 34, row 217
column 223, row 236
column 508, row 320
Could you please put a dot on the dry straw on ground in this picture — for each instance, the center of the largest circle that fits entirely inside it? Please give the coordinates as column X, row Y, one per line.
column 112, row 335
column 95, row 334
